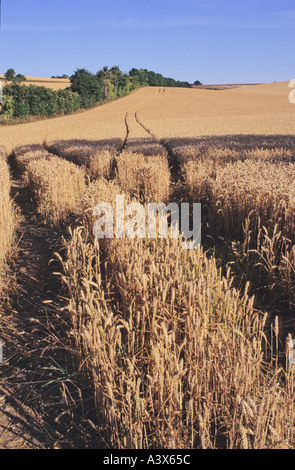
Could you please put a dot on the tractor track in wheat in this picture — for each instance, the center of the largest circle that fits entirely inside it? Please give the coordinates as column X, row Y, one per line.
column 42, row 404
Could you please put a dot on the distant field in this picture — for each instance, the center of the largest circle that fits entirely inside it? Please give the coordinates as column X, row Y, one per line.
column 177, row 112
column 223, row 87
column 260, row 109
column 53, row 83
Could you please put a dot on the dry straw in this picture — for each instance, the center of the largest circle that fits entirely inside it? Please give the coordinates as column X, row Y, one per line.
column 251, row 205
column 96, row 156
column 3, row 153
column 145, row 177
column 8, row 221
column 175, row 353
column 23, row 155
column 56, row 185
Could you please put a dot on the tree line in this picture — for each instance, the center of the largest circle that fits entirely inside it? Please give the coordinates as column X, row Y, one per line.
column 86, row 90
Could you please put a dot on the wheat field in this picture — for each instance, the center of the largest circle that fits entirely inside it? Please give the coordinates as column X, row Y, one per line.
column 261, row 109
column 182, row 348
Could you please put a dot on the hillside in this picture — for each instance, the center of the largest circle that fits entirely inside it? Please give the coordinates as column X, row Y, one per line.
column 260, row 109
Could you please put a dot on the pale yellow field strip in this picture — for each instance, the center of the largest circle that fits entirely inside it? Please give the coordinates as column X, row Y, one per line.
column 53, row 83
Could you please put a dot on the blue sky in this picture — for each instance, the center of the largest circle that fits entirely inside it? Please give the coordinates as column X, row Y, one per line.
column 214, row 41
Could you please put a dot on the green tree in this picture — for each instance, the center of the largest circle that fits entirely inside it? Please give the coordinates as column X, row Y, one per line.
column 19, row 78
column 10, row 74
column 60, row 76
column 104, row 76
column 139, row 77
column 88, row 86
column 7, row 108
